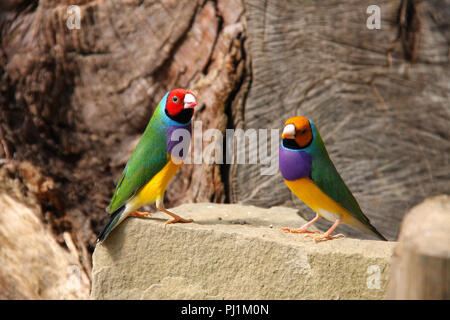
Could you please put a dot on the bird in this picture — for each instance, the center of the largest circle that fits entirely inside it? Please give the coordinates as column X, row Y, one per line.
column 154, row 161
column 310, row 174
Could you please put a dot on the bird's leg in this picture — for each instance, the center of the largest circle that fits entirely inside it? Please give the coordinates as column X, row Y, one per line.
column 140, row 214
column 304, row 229
column 176, row 219
column 327, row 235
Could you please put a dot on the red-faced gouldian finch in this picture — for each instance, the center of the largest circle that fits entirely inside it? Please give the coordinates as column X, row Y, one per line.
column 153, row 162
column 311, row 175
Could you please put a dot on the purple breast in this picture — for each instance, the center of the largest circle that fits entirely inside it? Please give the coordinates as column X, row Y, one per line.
column 294, row 164
column 178, row 140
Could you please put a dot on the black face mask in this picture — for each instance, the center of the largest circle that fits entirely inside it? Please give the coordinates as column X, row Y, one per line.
column 183, row 117
column 290, row 144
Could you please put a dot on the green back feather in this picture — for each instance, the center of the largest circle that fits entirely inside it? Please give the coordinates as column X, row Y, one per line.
column 147, row 159
column 327, row 178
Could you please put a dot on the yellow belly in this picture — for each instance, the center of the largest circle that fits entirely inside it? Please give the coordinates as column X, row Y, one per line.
column 306, row 190
column 154, row 189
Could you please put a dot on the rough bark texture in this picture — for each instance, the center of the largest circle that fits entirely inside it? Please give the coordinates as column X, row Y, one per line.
column 73, row 103
column 34, row 265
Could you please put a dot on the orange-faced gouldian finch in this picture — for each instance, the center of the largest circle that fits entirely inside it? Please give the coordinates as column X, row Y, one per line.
column 152, row 163
column 309, row 173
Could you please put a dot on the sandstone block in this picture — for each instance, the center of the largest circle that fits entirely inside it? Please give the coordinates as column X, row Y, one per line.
column 235, row 252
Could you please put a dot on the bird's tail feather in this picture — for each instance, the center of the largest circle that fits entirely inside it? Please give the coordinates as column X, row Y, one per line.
column 367, row 227
column 111, row 224
column 376, row 233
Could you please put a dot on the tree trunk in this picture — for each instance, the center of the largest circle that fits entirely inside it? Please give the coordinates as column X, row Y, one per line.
column 421, row 263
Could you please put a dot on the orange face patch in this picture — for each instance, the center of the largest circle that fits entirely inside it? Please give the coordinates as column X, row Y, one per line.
column 303, row 132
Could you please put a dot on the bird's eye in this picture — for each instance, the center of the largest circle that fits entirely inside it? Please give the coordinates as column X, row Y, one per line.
column 303, row 131
column 175, row 99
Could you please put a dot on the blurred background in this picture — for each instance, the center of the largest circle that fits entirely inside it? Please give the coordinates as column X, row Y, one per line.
column 79, row 84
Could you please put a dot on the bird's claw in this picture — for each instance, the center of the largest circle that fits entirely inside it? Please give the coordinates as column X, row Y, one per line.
column 177, row 220
column 324, row 237
column 300, row 230
column 140, row 214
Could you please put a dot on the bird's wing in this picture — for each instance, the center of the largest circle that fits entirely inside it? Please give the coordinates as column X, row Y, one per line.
column 326, row 177
column 147, row 159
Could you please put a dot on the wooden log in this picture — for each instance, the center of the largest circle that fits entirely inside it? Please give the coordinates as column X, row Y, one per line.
column 421, row 262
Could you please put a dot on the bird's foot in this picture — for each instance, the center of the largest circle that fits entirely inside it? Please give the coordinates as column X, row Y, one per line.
column 300, row 230
column 177, row 220
column 324, row 237
column 140, row 214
